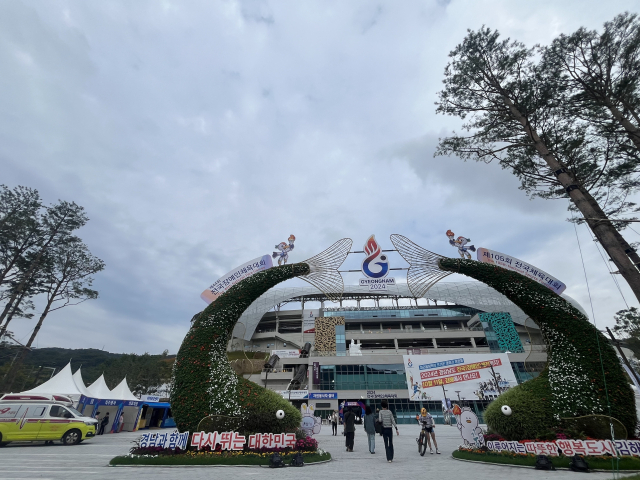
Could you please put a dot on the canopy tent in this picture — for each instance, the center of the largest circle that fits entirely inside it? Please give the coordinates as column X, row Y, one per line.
column 77, row 377
column 122, row 392
column 63, row 383
column 155, row 415
column 99, row 389
column 119, row 402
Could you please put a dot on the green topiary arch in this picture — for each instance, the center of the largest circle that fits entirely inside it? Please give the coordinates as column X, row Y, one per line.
column 204, row 382
column 572, row 384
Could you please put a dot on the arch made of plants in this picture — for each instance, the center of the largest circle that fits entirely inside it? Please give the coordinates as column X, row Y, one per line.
column 579, row 359
column 204, row 382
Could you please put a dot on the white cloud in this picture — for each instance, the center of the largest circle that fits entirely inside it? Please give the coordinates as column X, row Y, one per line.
column 199, row 135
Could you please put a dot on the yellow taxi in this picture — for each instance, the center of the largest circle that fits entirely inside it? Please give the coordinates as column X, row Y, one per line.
column 26, row 418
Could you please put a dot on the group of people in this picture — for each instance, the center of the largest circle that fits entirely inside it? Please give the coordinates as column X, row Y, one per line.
column 382, row 422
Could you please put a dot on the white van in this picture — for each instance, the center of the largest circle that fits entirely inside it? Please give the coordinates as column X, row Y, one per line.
column 25, row 418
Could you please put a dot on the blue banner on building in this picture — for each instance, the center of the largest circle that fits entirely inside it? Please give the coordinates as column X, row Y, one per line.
column 323, row 396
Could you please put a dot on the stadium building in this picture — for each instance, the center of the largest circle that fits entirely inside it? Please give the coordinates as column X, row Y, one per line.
column 357, row 345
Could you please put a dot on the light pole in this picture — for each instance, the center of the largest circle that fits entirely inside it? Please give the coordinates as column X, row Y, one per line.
column 493, row 374
column 447, row 418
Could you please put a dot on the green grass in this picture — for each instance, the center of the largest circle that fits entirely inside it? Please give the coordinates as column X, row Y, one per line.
column 213, row 459
column 626, row 463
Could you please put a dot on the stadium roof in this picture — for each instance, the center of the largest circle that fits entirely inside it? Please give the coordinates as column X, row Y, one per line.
column 470, row 294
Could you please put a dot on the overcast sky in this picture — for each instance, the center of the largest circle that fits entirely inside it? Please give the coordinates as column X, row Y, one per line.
column 198, row 135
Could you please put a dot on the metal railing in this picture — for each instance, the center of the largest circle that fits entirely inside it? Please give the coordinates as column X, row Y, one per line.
column 403, row 351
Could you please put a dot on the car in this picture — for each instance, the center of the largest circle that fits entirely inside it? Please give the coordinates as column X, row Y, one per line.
column 27, row 418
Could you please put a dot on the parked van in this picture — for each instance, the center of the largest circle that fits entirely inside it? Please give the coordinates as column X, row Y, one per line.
column 25, row 418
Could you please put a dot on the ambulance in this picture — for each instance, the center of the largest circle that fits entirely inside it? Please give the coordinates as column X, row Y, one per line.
column 28, row 418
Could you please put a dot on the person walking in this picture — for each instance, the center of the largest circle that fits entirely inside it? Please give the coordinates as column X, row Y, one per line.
column 103, row 423
column 334, row 423
column 388, row 422
column 370, row 428
column 349, row 428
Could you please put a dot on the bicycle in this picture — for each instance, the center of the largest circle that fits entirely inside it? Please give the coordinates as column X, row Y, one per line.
column 422, row 440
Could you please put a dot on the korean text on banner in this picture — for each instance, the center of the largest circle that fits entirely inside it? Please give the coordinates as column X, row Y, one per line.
column 476, row 376
column 286, row 353
column 309, row 320
column 293, row 394
column 511, row 263
column 227, row 281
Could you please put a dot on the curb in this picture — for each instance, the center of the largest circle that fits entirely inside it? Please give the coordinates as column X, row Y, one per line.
column 210, row 466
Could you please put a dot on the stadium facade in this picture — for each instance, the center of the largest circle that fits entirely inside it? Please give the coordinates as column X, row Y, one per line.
column 358, row 344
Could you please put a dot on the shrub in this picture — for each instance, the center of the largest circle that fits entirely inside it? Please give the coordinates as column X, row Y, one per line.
column 531, row 410
column 580, row 361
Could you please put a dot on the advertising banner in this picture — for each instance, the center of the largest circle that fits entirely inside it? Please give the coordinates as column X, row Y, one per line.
column 474, row 376
column 293, row 394
column 286, row 353
column 569, row 448
column 316, row 373
column 309, row 320
column 227, row 281
column 511, row 263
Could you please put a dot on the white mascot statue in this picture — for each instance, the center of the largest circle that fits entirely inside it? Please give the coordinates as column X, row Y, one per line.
column 310, row 424
column 470, row 431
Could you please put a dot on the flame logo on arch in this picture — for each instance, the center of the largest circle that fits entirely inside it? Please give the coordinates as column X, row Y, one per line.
column 373, row 251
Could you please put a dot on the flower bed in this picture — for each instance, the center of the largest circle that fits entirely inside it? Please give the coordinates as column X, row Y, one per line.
column 192, row 455
column 529, row 460
column 190, row 458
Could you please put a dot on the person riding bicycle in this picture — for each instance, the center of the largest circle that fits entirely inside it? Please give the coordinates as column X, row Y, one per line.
column 428, row 425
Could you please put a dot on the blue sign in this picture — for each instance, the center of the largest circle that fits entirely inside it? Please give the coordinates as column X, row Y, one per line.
column 324, row 396
column 446, row 363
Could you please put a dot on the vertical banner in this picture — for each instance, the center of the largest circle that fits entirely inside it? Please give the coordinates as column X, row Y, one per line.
column 309, row 320
column 316, row 373
column 227, row 281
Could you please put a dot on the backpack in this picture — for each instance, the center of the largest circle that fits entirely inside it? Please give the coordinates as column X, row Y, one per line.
column 578, row 464
column 543, row 463
column 275, row 461
column 297, row 460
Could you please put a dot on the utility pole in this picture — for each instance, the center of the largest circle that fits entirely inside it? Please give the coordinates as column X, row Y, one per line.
column 616, row 342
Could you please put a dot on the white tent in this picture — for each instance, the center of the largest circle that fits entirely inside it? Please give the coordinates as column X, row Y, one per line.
column 77, row 377
column 122, row 392
column 62, row 383
column 99, row 389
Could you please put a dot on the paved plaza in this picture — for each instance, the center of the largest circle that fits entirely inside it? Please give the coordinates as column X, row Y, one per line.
column 89, row 461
